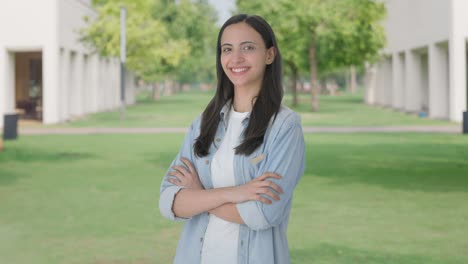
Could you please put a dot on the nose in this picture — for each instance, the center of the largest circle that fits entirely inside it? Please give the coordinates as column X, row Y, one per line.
column 238, row 56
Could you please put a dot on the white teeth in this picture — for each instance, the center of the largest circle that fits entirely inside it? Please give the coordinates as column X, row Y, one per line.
column 239, row 69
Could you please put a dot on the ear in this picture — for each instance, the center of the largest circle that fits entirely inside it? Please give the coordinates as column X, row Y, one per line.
column 270, row 56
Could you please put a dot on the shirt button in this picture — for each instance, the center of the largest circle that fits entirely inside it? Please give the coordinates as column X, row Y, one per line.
column 218, row 139
column 207, row 162
column 201, row 239
column 242, row 242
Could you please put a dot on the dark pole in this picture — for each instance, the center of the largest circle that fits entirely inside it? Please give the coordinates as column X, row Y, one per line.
column 465, row 122
column 123, row 13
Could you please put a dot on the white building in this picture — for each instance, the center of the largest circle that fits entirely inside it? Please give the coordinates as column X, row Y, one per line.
column 425, row 63
column 45, row 72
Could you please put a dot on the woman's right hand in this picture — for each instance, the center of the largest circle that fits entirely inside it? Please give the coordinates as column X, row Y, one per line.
column 252, row 190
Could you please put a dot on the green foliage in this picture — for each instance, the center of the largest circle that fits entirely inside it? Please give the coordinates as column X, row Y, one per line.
column 345, row 32
column 194, row 22
column 164, row 38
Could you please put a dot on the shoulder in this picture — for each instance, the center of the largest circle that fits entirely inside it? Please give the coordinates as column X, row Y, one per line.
column 286, row 118
column 194, row 128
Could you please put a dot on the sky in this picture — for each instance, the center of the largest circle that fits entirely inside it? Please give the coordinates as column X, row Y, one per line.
column 224, row 8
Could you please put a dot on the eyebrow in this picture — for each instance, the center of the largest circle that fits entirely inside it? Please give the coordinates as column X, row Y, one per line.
column 242, row 43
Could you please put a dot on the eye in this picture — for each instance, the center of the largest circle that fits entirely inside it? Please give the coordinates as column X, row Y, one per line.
column 248, row 48
column 226, row 49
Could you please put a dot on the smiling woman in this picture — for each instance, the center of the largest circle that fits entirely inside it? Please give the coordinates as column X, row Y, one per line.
column 234, row 177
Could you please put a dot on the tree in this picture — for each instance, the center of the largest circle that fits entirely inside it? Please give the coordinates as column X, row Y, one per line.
column 166, row 39
column 194, row 22
column 149, row 46
column 334, row 33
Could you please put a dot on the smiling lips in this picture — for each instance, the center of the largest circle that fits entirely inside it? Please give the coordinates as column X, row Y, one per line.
column 239, row 69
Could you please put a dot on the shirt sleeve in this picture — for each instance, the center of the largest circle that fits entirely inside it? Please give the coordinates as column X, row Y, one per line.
column 286, row 157
column 168, row 190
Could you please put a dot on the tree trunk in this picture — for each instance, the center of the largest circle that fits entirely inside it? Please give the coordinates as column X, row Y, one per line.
column 294, row 83
column 348, row 81
column 177, row 86
column 315, row 89
column 168, row 87
column 353, row 80
column 156, row 92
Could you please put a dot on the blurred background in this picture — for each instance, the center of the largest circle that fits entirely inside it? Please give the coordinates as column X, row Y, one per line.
column 88, row 131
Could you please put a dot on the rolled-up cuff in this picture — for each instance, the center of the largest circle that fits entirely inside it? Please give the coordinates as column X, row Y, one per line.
column 166, row 201
column 252, row 215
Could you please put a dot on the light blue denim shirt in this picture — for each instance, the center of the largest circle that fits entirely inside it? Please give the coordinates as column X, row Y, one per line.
column 263, row 237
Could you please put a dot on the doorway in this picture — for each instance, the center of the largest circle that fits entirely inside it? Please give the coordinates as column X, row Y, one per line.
column 28, row 85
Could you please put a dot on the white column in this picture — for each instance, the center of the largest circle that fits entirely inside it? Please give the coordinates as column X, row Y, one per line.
column 7, row 83
column 72, row 85
column 112, row 85
column 101, row 87
column 116, row 73
column 51, row 84
column 94, row 81
column 64, row 84
column 388, row 82
column 457, row 60
column 78, row 86
column 3, row 82
column 398, row 81
column 438, row 82
column 51, row 71
column 86, row 95
column 413, row 86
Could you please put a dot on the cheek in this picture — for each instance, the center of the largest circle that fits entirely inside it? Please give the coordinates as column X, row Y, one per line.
column 223, row 64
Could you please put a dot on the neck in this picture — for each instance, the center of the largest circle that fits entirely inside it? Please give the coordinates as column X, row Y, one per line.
column 244, row 98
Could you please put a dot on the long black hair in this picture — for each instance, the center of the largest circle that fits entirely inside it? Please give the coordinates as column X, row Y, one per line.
column 267, row 103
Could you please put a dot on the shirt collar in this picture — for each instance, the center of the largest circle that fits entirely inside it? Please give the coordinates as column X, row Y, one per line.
column 224, row 113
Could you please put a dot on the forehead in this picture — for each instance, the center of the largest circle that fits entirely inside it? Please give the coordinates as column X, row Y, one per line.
column 240, row 32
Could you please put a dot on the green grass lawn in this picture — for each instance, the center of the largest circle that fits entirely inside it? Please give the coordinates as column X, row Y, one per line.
column 180, row 109
column 364, row 198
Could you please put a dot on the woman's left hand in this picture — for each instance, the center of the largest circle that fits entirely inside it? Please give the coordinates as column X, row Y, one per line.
column 187, row 178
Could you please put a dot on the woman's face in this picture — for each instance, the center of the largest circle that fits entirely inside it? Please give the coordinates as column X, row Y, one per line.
column 244, row 56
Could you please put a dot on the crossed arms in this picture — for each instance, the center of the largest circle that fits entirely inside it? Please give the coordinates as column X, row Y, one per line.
column 194, row 199
column 261, row 203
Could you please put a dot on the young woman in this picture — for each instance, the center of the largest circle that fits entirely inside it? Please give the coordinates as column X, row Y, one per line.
column 233, row 179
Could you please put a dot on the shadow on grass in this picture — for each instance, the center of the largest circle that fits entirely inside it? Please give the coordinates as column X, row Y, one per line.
column 15, row 156
column 23, row 154
column 327, row 253
column 419, row 167
column 171, row 101
column 8, row 176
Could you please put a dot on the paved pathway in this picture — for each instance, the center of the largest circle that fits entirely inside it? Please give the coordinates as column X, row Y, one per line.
column 143, row 130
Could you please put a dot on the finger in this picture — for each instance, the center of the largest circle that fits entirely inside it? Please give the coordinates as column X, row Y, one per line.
column 262, row 199
column 268, row 192
column 189, row 165
column 176, row 174
column 181, row 169
column 267, row 175
column 175, row 182
column 274, row 186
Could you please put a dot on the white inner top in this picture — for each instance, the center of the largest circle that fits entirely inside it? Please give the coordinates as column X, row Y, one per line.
column 221, row 237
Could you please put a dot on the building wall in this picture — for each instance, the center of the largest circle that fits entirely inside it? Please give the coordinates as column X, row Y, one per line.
column 415, row 23
column 19, row 35
column 75, row 80
column 27, row 24
column 427, row 41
